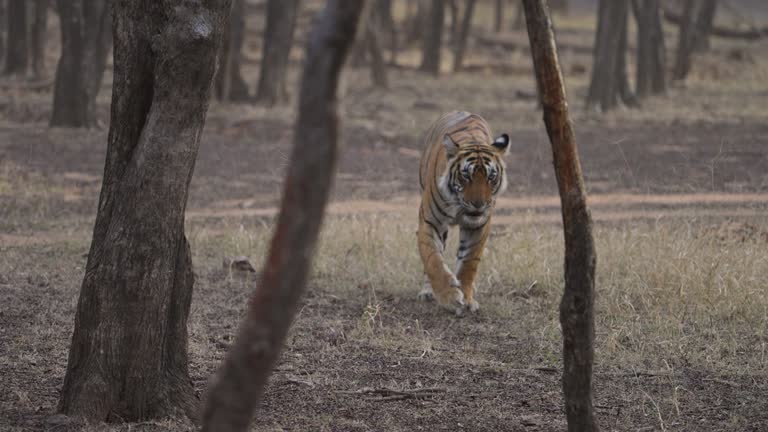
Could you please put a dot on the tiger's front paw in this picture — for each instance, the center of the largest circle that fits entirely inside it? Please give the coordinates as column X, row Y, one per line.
column 452, row 299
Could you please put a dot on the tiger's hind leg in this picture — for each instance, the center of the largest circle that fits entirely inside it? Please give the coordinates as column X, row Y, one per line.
column 471, row 245
column 426, row 293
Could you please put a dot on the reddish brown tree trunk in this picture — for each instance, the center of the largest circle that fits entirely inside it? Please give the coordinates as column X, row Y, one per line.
column 577, row 305
column 278, row 39
column 86, row 38
column 17, row 58
column 239, row 384
column 128, row 358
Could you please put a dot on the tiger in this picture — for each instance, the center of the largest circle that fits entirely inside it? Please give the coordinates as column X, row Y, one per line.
column 462, row 171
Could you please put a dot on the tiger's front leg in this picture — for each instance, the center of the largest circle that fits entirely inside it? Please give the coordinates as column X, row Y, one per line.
column 471, row 246
column 445, row 286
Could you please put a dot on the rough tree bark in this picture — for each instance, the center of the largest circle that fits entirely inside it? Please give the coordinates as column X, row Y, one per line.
column 685, row 41
column 651, row 53
column 238, row 386
column 278, row 39
column 576, row 307
column 86, row 38
column 230, row 85
column 433, row 40
column 39, row 33
column 461, row 42
column 128, row 358
column 610, row 82
column 16, row 58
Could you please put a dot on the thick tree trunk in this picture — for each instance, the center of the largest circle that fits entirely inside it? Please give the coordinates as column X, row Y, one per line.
column 685, row 41
column 128, row 359
column 651, row 54
column 230, row 85
column 610, row 82
column 433, row 40
column 239, row 384
column 577, row 305
column 39, row 35
column 86, row 38
column 17, row 59
column 461, row 43
column 278, row 39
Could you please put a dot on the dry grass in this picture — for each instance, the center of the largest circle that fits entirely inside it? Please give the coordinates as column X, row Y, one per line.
column 668, row 294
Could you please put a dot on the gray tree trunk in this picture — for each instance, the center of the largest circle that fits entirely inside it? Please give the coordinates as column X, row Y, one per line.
column 128, row 358
column 230, row 85
column 433, row 39
column 38, row 34
column 705, row 20
column 86, row 38
column 651, row 53
column 498, row 16
column 235, row 391
column 610, row 83
column 463, row 37
column 577, row 305
column 685, row 41
column 278, row 39
column 17, row 53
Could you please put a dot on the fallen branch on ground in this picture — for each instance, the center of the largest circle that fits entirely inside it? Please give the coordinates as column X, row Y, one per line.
column 385, row 394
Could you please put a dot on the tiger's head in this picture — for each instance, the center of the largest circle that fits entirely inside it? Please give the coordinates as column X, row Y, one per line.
column 475, row 174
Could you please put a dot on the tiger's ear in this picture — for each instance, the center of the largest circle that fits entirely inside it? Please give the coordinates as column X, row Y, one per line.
column 451, row 148
column 501, row 144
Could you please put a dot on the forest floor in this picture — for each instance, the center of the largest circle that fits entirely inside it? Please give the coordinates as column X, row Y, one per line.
column 678, row 190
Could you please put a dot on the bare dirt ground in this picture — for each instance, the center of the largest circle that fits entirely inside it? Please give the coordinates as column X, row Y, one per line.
column 679, row 191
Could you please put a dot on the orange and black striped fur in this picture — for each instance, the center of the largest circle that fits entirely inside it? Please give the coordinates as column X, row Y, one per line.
column 462, row 171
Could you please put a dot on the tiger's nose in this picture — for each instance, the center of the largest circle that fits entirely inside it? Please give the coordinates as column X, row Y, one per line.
column 479, row 205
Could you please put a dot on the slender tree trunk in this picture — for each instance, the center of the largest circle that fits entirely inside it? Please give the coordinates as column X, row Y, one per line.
column 685, row 41
column 498, row 15
column 39, row 35
column 609, row 82
column 128, row 358
column 17, row 60
column 453, row 8
column 230, row 85
column 86, row 38
column 433, row 40
column 235, row 392
column 651, row 54
column 461, row 43
column 705, row 19
column 518, row 22
column 278, row 39
column 387, row 21
column 3, row 28
column 577, row 305
column 372, row 41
